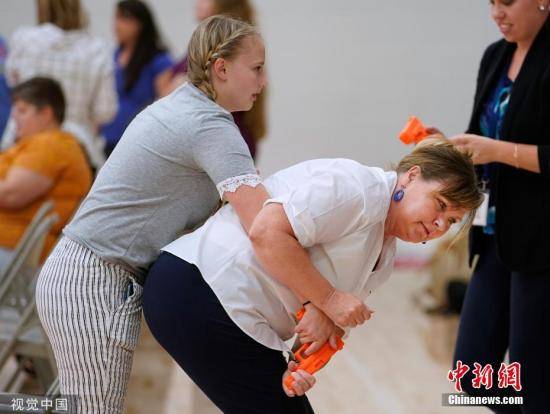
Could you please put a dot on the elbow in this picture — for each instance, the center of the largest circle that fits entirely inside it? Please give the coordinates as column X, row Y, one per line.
column 11, row 200
column 265, row 237
column 106, row 112
column 108, row 115
column 269, row 230
column 259, row 235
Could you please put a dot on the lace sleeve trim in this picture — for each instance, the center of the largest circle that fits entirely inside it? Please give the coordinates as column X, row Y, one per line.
column 231, row 184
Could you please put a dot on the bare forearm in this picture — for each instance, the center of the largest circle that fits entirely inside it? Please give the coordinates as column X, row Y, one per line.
column 278, row 249
column 287, row 261
column 7, row 199
column 22, row 186
column 522, row 156
column 247, row 202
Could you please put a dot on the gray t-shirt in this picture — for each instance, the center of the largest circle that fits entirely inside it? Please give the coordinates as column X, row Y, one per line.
column 165, row 176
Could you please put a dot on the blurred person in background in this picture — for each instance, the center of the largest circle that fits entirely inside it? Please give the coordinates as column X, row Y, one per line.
column 253, row 123
column 45, row 163
column 506, row 306
column 142, row 66
column 5, row 102
column 60, row 48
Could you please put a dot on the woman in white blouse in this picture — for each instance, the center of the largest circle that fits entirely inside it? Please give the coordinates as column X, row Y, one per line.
column 222, row 304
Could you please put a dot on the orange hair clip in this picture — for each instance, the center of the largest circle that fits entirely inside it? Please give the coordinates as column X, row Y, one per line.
column 413, row 132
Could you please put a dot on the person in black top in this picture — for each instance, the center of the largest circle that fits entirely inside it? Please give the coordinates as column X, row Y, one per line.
column 507, row 304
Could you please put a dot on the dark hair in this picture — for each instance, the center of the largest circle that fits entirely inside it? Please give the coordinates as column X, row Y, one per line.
column 148, row 44
column 41, row 92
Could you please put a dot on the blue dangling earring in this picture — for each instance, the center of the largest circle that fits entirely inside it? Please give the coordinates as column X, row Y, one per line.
column 398, row 196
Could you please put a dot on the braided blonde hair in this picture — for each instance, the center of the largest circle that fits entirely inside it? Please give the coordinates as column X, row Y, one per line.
column 216, row 37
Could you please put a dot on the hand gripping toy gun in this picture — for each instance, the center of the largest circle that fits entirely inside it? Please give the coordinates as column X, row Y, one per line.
column 315, row 361
column 414, row 131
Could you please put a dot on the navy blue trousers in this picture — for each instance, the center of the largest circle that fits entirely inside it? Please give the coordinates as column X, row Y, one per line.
column 237, row 373
column 505, row 310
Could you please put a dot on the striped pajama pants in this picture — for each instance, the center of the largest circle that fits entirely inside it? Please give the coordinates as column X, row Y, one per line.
column 91, row 312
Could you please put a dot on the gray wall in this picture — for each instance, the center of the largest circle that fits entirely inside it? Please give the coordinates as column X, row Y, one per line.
column 344, row 75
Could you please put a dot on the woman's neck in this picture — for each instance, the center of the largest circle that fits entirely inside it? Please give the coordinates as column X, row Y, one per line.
column 523, row 47
column 126, row 51
column 389, row 224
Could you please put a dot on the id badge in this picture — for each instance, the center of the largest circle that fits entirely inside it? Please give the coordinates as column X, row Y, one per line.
column 480, row 218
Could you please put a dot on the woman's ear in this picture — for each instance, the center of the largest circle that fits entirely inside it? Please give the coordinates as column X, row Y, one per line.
column 413, row 173
column 219, row 69
column 46, row 114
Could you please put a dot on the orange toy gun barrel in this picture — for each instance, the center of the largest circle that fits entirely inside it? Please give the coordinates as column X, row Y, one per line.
column 315, row 361
column 414, row 131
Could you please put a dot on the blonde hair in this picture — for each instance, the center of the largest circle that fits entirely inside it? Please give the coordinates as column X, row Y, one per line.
column 254, row 120
column 216, row 37
column 439, row 160
column 65, row 14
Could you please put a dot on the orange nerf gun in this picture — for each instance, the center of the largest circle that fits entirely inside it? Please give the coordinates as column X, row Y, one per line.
column 414, row 131
column 315, row 361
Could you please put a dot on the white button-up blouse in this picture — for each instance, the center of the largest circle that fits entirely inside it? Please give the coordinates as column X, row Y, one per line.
column 337, row 209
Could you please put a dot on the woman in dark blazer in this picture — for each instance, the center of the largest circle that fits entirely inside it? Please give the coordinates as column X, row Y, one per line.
column 507, row 305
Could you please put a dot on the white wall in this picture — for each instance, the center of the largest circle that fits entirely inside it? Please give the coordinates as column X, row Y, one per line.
column 344, row 75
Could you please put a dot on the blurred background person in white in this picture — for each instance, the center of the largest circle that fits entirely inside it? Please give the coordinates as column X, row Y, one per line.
column 60, row 48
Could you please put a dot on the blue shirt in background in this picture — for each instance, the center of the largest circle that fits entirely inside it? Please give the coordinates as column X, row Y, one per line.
column 132, row 102
column 5, row 98
column 490, row 124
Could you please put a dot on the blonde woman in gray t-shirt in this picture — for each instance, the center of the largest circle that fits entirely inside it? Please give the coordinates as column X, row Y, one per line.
column 166, row 176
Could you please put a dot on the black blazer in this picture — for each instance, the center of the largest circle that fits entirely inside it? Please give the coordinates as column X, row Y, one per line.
column 522, row 198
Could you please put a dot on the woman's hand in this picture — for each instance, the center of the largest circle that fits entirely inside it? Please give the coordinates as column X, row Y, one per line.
column 317, row 328
column 344, row 309
column 483, row 150
column 432, row 130
column 303, row 381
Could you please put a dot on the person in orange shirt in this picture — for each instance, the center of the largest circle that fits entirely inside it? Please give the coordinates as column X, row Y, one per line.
column 45, row 163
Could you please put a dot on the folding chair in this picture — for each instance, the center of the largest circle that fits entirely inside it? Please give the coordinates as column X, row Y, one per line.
column 29, row 231
column 20, row 329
